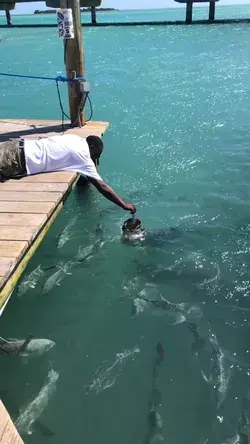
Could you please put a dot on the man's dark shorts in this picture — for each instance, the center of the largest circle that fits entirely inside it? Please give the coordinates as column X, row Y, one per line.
column 12, row 161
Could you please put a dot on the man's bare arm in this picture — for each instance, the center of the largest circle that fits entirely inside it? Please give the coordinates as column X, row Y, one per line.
column 110, row 194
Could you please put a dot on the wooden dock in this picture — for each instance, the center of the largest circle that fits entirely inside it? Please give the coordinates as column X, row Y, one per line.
column 220, row 21
column 29, row 206
column 8, row 432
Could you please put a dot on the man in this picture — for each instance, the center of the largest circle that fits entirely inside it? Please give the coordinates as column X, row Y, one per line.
column 57, row 153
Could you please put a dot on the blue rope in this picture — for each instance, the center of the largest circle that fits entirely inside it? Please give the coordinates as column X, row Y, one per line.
column 57, row 79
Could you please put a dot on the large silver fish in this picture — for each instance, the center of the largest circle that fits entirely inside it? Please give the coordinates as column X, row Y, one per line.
column 105, row 378
column 58, row 276
column 215, row 368
column 28, row 347
column 32, row 412
column 163, row 304
column 66, row 233
column 155, row 423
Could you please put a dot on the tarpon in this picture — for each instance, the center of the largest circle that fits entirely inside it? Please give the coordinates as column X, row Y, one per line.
column 155, row 423
column 66, row 233
column 32, row 412
column 25, row 347
column 58, row 276
column 105, row 378
column 163, row 304
column 154, row 238
column 217, row 372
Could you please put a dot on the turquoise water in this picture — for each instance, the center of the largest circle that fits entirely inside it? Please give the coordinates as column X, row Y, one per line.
column 178, row 101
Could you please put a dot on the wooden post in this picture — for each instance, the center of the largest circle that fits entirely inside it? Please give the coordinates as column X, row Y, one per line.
column 93, row 15
column 8, row 17
column 189, row 12
column 74, row 60
column 211, row 10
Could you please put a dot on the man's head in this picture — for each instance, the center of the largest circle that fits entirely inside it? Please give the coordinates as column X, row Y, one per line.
column 95, row 148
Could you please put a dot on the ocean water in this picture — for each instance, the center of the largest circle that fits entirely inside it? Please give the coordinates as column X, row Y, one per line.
column 177, row 99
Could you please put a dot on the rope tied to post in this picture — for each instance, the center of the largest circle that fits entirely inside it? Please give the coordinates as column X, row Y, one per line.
column 55, row 79
column 58, row 79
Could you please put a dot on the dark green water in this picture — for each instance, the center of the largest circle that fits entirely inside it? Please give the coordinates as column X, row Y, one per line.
column 178, row 147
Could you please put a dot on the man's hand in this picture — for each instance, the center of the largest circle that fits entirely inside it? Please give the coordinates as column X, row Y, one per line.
column 130, row 207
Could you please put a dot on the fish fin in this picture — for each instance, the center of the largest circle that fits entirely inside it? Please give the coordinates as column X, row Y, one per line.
column 163, row 299
column 58, row 284
column 25, row 344
column 45, row 431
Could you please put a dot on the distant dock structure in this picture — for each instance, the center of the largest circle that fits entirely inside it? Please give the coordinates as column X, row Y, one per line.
column 90, row 5
column 93, row 6
column 189, row 9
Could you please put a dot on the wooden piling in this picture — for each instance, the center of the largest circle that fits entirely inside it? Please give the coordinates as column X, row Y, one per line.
column 211, row 10
column 74, row 61
column 189, row 12
column 93, row 15
column 8, row 17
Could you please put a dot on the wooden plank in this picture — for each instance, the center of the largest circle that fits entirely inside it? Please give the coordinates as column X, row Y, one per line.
column 12, row 248
column 29, row 219
column 29, row 196
column 7, row 284
column 62, row 176
column 26, row 207
column 19, row 233
column 47, row 123
column 8, row 432
column 44, row 128
column 19, row 185
column 6, row 264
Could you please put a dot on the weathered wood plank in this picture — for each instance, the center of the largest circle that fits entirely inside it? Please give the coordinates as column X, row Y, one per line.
column 29, row 196
column 47, row 123
column 26, row 207
column 17, row 233
column 6, row 264
column 29, row 219
column 62, row 176
column 43, row 128
column 12, row 248
column 19, row 185
column 8, row 432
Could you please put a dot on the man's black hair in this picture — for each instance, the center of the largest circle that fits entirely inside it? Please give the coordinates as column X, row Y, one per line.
column 95, row 144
